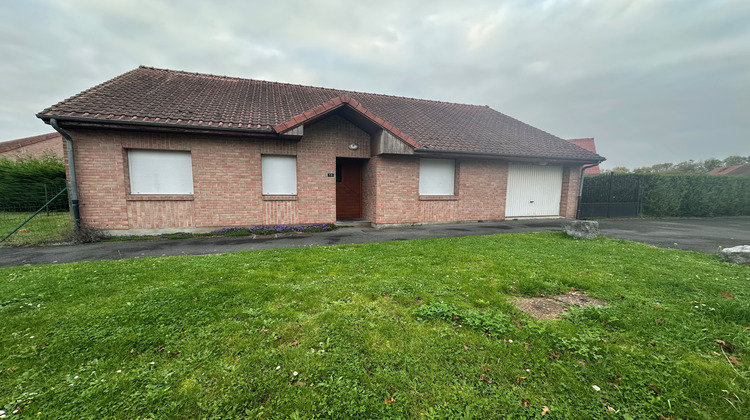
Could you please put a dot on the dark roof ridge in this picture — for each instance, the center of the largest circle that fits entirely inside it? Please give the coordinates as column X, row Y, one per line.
column 336, row 91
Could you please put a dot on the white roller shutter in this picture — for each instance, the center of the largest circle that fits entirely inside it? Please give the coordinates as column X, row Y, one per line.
column 436, row 176
column 533, row 190
column 279, row 175
column 160, row 172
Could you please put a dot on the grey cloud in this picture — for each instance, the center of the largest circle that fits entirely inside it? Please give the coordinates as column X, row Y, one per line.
column 652, row 81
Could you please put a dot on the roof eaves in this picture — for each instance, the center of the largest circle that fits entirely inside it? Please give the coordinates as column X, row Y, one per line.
column 47, row 117
column 512, row 155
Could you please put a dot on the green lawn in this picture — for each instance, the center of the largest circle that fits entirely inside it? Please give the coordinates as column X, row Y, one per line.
column 41, row 229
column 409, row 329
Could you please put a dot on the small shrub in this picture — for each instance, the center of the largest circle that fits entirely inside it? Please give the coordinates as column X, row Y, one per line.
column 274, row 229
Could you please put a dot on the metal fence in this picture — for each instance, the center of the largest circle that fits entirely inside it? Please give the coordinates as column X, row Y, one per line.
column 34, row 213
column 610, row 195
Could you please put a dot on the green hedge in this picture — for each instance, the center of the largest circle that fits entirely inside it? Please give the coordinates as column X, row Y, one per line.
column 696, row 195
column 665, row 195
column 23, row 183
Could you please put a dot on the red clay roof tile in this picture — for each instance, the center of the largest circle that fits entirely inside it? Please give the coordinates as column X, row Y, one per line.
column 202, row 100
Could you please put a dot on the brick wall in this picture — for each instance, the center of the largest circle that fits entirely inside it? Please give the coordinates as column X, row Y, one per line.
column 322, row 143
column 570, row 187
column 226, row 178
column 369, row 187
column 227, row 182
column 479, row 194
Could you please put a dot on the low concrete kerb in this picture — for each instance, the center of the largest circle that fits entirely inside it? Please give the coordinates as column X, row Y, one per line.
column 283, row 235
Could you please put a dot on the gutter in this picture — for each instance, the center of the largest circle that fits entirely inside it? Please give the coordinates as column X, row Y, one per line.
column 73, row 188
column 580, row 190
column 51, row 118
column 422, row 150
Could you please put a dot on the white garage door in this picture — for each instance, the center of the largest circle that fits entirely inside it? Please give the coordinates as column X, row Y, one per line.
column 533, row 190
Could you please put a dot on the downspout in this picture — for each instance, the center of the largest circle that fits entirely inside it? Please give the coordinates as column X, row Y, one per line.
column 580, row 189
column 73, row 188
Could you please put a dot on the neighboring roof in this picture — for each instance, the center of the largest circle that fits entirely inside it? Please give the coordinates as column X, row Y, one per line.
column 180, row 99
column 732, row 170
column 588, row 144
column 7, row 146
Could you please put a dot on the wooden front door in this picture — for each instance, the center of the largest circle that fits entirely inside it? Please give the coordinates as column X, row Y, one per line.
column 348, row 188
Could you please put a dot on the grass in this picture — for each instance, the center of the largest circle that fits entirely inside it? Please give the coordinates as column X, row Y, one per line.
column 407, row 329
column 41, row 229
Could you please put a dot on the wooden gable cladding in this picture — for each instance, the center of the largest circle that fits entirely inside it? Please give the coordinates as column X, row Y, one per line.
column 384, row 142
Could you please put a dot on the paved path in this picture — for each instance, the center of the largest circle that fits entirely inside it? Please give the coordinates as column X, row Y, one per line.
column 703, row 235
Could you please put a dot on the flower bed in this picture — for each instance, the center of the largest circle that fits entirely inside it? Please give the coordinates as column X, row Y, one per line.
column 274, row 229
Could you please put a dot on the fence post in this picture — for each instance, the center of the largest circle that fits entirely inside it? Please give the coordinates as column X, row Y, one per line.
column 609, row 195
column 46, row 199
column 640, row 197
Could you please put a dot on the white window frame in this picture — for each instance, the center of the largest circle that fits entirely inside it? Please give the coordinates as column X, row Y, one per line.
column 160, row 172
column 437, row 176
column 279, row 174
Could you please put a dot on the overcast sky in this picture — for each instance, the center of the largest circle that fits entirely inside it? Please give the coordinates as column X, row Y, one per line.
column 651, row 81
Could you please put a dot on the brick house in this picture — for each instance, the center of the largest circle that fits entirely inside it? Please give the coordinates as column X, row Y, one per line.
column 743, row 170
column 164, row 150
column 50, row 144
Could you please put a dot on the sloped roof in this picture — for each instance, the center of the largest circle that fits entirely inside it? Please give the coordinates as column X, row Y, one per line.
column 731, row 170
column 7, row 146
column 175, row 98
column 588, row 144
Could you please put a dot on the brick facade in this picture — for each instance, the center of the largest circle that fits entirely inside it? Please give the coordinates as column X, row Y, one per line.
column 227, row 182
column 226, row 178
column 479, row 192
column 570, row 187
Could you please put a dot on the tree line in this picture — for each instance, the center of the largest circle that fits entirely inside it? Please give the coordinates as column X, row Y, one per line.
column 686, row 167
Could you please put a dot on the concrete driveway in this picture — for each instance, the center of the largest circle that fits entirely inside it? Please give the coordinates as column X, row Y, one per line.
column 703, row 235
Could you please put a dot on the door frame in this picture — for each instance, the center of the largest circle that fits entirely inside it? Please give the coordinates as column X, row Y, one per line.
column 340, row 163
column 532, row 181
